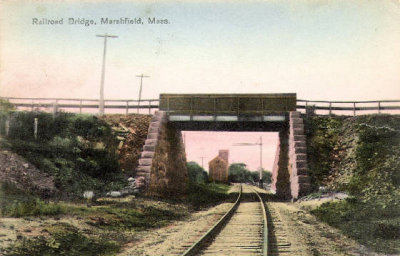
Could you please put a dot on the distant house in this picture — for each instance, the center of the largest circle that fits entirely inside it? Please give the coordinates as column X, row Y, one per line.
column 218, row 167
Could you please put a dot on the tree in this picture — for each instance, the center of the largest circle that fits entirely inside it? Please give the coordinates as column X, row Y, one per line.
column 238, row 172
column 196, row 173
column 266, row 177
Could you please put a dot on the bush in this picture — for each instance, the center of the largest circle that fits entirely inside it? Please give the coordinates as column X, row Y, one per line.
column 322, row 137
column 79, row 151
column 17, row 203
column 196, row 173
column 64, row 240
column 377, row 156
column 367, row 222
column 34, row 207
column 128, row 218
column 238, row 173
column 364, row 153
column 202, row 195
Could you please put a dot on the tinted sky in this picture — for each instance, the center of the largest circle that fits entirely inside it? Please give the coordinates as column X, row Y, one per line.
column 321, row 50
column 333, row 50
column 207, row 144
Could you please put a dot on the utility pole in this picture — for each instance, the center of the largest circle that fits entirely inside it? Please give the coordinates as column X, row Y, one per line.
column 101, row 103
column 202, row 164
column 260, row 181
column 254, row 144
column 140, row 90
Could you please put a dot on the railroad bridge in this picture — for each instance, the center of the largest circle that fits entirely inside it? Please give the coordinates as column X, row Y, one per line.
column 162, row 166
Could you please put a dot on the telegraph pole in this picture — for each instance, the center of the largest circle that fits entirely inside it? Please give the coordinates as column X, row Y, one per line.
column 202, row 158
column 101, row 102
column 261, row 169
column 255, row 144
column 140, row 90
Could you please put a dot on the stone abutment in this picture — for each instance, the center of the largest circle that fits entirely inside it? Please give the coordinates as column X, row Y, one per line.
column 162, row 167
column 290, row 171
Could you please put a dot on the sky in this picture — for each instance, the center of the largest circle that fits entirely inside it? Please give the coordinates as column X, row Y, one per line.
column 202, row 147
column 321, row 50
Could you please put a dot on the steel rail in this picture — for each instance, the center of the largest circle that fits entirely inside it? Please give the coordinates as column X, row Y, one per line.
column 265, row 228
column 213, row 231
column 217, row 226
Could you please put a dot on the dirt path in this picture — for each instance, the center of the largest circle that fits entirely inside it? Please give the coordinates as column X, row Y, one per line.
column 296, row 232
column 175, row 238
column 307, row 236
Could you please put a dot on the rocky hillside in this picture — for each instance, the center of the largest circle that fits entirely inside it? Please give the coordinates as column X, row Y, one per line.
column 17, row 171
column 354, row 153
column 360, row 156
column 131, row 133
column 79, row 152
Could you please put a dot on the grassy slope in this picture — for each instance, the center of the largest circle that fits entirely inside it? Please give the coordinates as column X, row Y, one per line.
column 77, row 150
column 205, row 195
column 102, row 229
column 360, row 155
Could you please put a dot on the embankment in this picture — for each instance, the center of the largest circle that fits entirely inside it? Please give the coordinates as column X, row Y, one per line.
column 360, row 156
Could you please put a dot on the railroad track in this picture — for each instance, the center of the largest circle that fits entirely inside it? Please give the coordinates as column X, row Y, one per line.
column 243, row 230
column 278, row 234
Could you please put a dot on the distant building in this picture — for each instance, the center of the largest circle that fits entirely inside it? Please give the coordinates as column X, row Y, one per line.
column 224, row 154
column 218, row 167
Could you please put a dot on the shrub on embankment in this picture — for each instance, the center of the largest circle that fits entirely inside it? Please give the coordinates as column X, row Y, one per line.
column 196, row 173
column 63, row 239
column 361, row 156
column 131, row 132
column 78, row 151
column 200, row 195
column 15, row 202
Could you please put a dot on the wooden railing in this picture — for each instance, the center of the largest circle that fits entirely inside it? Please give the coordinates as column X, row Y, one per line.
column 125, row 106
column 55, row 104
column 353, row 107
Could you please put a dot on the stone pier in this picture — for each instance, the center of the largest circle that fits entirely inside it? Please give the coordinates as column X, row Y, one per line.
column 298, row 169
column 162, row 166
column 143, row 171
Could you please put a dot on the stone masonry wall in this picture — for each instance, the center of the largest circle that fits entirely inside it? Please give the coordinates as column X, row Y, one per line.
column 143, row 171
column 275, row 167
column 162, row 167
column 169, row 175
column 298, row 169
column 280, row 173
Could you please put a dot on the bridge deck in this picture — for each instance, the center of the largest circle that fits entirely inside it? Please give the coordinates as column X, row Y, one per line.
column 228, row 104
